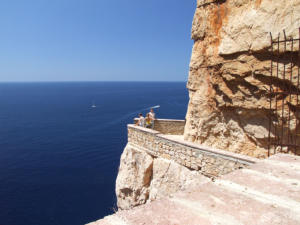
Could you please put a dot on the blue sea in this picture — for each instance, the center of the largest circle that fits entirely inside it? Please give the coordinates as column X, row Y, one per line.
column 59, row 157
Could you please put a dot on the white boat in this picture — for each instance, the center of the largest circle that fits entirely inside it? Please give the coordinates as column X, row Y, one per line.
column 93, row 105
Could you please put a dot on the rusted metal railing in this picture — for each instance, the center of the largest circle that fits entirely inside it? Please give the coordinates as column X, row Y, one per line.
column 284, row 96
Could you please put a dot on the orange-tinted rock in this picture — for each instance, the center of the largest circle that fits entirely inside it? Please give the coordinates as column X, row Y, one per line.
column 230, row 72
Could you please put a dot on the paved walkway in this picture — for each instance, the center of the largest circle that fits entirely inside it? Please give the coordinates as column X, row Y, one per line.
column 266, row 193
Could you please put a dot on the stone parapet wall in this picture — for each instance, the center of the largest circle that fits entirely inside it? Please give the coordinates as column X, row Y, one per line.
column 168, row 126
column 210, row 162
column 165, row 126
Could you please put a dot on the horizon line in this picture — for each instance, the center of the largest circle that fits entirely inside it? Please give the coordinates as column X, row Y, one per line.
column 91, row 81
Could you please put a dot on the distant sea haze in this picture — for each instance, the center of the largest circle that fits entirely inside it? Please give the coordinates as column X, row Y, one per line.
column 59, row 156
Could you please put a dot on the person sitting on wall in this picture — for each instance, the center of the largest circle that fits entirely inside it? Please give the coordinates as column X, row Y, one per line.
column 141, row 121
column 148, row 121
column 152, row 116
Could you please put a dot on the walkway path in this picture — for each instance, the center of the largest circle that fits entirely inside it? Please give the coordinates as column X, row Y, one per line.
column 266, row 193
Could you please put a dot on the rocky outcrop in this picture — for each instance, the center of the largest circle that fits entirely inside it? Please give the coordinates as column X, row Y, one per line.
column 169, row 177
column 143, row 178
column 228, row 109
column 230, row 72
column 229, row 104
column 133, row 181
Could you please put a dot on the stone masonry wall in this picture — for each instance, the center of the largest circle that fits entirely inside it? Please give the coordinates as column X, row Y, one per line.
column 210, row 162
column 165, row 126
column 154, row 165
column 168, row 126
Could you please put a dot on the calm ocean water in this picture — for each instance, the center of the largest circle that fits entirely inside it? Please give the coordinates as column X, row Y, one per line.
column 59, row 157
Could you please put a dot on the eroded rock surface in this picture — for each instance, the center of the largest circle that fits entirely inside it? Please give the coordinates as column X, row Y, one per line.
column 230, row 72
column 133, row 181
column 143, row 178
column 170, row 177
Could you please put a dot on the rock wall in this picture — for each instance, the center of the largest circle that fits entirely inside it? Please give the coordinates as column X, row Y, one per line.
column 230, row 71
column 144, row 178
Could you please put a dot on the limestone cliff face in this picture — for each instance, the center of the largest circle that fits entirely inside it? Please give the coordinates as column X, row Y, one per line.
column 229, row 71
column 228, row 81
column 143, row 178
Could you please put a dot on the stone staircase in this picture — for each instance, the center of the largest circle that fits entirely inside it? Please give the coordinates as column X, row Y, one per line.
column 266, row 193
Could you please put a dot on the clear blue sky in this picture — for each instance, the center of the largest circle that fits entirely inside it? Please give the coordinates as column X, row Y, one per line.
column 89, row 40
